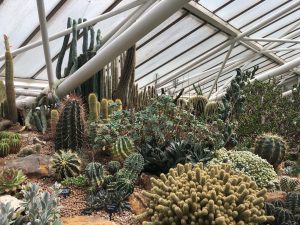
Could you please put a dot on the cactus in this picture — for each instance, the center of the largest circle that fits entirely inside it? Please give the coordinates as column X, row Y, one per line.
column 29, row 150
column 65, row 164
column 9, row 83
column 197, row 195
column 122, row 148
column 54, row 116
column 4, row 149
column 110, row 107
column 98, row 109
column 124, row 187
column 211, row 108
column 288, row 184
column 94, row 172
column 2, row 92
column 199, row 104
column 293, row 202
column 113, row 167
column 104, row 109
column 278, row 203
column 14, row 145
column 271, row 147
column 11, row 180
column 93, row 110
column 135, row 163
column 119, row 104
column 282, row 216
column 70, row 128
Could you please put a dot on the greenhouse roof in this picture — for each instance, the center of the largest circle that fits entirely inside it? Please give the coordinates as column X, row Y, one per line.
column 190, row 47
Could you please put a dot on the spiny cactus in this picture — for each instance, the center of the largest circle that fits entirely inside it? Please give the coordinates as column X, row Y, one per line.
column 65, row 164
column 113, row 167
column 94, row 172
column 70, row 129
column 288, row 184
column 98, row 108
column 11, row 180
column 104, row 109
column 122, row 148
column 293, row 202
column 110, row 107
column 119, row 104
column 199, row 103
column 212, row 195
column 15, row 145
column 4, row 149
column 124, row 186
column 9, row 83
column 29, row 150
column 93, row 111
column 54, row 116
column 271, row 147
column 2, row 92
column 211, row 108
column 282, row 216
column 134, row 162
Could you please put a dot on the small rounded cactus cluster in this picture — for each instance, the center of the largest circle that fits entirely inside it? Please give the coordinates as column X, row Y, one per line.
column 10, row 143
column 190, row 195
column 271, row 147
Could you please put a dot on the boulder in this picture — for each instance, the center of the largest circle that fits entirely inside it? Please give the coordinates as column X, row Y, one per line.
column 14, row 202
column 86, row 220
column 33, row 165
column 138, row 203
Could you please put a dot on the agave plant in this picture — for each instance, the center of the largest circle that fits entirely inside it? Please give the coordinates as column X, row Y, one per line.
column 11, row 180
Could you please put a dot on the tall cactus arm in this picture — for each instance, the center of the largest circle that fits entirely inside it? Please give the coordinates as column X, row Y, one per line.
column 74, row 49
column 98, row 40
column 85, row 38
column 9, row 83
column 63, row 51
column 92, row 33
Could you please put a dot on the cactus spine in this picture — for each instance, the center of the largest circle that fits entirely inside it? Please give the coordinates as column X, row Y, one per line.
column 9, row 83
column 93, row 111
column 94, row 172
column 122, row 148
column 70, row 128
column 271, row 147
column 54, row 120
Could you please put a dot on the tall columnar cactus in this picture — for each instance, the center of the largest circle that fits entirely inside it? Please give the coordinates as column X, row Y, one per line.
column 70, row 129
column 271, row 147
column 66, row 164
column 211, row 108
column 293, row 202
column 2, row 92
column 119, row 104
column 98, row 108
column 110, row 106
column 122, row 148
column 212, row 195
column 199, row 103
column 9, row 83
column 54, row 116
column 93, row 110
column 4, row 149
column 104, row 109
column 94, row 172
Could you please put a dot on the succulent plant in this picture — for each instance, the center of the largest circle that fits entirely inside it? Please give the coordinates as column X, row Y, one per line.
column 211, row 108
column 66, row 164
column 54, row 117
column 271, row 147
column 15, row 145
column 212, row 195
column 134, row 163
column 119, row 104
column 29, row 150
column 199, row 103
column 293, row 202
column 113, row 167
column 252, row 165
column 288, row 184
column 93, row 111
column 11, row 180
column 124, row 187
column 104, row 109
column 70, row 129
column 94, row 172
column 4, row 149
column 79, row 181
column 122, row 148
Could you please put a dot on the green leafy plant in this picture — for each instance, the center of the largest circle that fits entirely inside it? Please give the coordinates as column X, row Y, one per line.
column 79, row 181
column 11, row 180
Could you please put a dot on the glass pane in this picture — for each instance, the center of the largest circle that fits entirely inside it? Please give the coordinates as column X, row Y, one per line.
column 212, row 5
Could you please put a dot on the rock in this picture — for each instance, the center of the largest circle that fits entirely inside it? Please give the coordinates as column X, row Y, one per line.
column 36, row 140
column 86, row 220
column 138, row 203
column 14, row 202
column 32, row 165
column 144, row 181
column 277, row 195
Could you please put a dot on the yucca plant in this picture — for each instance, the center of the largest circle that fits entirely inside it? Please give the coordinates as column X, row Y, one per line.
column 11, row 180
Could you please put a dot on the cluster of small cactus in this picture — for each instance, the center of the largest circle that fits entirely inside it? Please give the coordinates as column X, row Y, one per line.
column 37, row 116
column 289, row 184
column 252, row 165
column 271, row 147
column 10, row 143
column 70, row 129
column 107, row 107
column 212, row 195
column 65, row 164
column 29, row 150
column 11, row 180
column 122, row 148
column 199, row 103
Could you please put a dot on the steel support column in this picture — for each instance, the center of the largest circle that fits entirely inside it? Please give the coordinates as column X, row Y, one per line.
column 139, row 29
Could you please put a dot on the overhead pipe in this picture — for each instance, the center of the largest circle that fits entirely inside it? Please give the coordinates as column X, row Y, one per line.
column 228, row 43
column 79, row 26
column 139, row 29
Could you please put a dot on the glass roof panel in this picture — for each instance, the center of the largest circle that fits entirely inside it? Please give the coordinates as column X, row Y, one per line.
column 213, row 5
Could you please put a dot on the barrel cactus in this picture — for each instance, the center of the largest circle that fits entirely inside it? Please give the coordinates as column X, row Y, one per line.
column 288, row 184
column 271, row 147
column 113, row 167
column 94, row 172
column 122, row 148
column 11, row 180
column 4, row 149
column 212, row 195
column 124, row 187
column 293, row 202
column 134, row 163
column 211, row 109
column 66, row 164
column 15, row 145
column 199, row 103
column 70, row 129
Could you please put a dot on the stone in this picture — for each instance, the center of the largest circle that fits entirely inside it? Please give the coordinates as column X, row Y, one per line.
column 144, row 181
column 32, row 165
column 86, row 220
column 138, row 203
column 14, row 202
